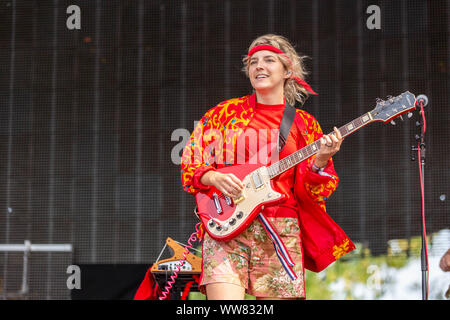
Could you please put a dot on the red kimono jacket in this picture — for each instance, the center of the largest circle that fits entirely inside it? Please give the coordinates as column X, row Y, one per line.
column 213, row 144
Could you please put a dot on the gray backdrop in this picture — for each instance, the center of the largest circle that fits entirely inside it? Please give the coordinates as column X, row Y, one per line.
column 87, row 117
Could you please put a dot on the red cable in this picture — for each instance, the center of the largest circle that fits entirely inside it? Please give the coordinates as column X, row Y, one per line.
column 186, row 290
column 174, row 275
column 423, row 196
column 423, row 117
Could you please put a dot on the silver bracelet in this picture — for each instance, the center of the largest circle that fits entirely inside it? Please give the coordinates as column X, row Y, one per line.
column 317, row 168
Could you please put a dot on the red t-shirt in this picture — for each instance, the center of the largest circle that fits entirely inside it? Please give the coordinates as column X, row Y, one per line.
column 265, row 125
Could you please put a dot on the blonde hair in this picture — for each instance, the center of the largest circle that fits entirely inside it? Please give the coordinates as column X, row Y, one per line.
column 292, row 90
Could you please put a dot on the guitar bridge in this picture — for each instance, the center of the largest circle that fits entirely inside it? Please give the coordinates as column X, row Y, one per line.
column 257, row 181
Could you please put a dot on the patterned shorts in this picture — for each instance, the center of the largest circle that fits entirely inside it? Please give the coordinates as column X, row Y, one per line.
column 250, row 261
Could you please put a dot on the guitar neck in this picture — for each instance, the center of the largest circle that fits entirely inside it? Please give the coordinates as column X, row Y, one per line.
column 311, row 149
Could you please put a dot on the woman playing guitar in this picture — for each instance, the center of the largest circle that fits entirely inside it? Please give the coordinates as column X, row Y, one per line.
column 268, row 258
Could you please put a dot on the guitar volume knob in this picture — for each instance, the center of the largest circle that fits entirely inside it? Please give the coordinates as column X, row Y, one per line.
column 240, row 215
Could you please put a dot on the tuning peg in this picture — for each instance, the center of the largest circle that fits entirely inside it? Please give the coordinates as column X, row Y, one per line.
column 410, row 114
column 393, row 122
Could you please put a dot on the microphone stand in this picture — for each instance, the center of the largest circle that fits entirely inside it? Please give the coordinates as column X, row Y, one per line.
column 422, row 100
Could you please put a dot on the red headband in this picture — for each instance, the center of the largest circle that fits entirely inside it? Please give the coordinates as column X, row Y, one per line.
column 276, row 50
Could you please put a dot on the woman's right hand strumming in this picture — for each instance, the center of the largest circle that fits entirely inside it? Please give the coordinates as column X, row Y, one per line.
column 227, row 183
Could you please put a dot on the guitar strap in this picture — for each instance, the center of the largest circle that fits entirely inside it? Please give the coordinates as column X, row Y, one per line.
column 283, row 255
column 280, row 249
column 285, row 127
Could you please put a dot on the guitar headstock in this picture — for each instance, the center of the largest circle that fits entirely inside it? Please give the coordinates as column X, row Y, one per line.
column 386, row 110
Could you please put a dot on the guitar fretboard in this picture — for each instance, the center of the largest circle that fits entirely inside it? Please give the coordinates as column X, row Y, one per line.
column 311, row 149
